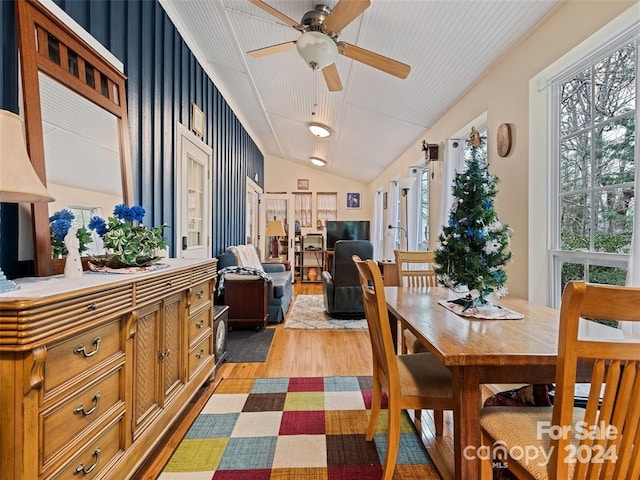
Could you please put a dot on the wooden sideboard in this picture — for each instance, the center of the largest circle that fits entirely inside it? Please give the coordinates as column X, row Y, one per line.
column 94, row 370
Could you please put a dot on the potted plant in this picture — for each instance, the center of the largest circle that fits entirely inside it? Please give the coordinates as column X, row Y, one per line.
column 126, row 240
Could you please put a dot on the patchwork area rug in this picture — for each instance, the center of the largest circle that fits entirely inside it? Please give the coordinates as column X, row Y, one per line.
column 307, row 312
column 293, row 429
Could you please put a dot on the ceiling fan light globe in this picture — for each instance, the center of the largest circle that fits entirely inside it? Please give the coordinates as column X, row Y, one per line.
column 318, row 162
column 317, row 49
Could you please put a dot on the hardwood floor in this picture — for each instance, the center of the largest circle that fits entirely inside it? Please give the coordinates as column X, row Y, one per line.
column 302, row 353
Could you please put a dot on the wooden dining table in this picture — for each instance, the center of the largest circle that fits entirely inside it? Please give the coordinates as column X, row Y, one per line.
column 482, row 351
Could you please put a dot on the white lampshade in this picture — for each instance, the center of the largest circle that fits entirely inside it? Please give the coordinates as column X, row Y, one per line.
column 318, row 162
column 319, row 130
column 317, row 49
column 18, row 181
column 406, row 183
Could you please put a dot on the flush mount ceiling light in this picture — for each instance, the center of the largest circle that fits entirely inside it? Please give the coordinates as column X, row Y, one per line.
column 318, row 162
column 317, row 49
column 319, row 130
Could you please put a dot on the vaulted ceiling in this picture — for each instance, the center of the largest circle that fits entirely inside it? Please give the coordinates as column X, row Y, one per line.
column 449, row 44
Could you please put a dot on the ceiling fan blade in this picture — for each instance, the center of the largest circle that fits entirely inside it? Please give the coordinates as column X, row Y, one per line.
column 280, row 47
column 344, row 13
column 332, row 78
column 375, row 60
column 279, row 15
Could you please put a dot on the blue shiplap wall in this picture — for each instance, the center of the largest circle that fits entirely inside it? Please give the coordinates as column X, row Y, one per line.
column 164, row 79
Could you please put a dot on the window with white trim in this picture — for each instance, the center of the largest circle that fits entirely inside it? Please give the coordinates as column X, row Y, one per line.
column 592, row 134
column 327, row 208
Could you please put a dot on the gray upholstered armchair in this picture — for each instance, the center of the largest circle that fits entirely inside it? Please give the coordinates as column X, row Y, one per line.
column 341, row 287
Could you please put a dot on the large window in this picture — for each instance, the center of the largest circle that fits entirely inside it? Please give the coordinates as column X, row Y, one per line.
column 594, row 157
column 422, row 182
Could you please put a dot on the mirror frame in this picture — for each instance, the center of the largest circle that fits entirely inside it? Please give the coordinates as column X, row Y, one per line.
column 35, row 26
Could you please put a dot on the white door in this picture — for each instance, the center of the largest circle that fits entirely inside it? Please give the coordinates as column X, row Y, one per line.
column 279, row 206
column 253, row 228
column 193, row 196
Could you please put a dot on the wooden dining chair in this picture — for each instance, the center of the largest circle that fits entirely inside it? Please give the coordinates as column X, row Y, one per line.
column 416, row 381
column 415, row 269
column 607, row 442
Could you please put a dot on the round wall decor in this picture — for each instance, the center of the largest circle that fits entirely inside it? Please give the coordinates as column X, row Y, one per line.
column 504, row 139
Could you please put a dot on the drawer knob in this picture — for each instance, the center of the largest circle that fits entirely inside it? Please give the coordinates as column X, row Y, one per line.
column 80, row 408
column 200, row 354
column 200, row 324
column 84, row 470
column 163, row 355
column 200, row 294
column 169, row 284
column 92, row 306
column 81, row 350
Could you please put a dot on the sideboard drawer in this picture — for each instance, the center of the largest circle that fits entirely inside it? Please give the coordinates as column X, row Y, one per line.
column 93, row 459
column 198, row 324
column 199, row 355
column 62, row 423
column 79, row 353
column 201, row 293
column 155, row 288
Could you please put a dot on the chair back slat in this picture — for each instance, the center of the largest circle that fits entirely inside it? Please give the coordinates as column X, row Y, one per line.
column 607, row 444
column 375, row 308
column 415, row 269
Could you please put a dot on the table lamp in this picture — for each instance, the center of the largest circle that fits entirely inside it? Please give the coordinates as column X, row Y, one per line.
column 275, row 229
column 19, row 182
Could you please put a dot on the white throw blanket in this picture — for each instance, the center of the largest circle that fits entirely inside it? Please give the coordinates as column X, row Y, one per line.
column 247, row 256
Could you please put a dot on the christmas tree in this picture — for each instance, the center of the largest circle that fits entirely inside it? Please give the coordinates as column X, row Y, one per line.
column 474, row 246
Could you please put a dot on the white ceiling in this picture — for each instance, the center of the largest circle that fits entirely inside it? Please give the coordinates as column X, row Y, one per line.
column 449, row 45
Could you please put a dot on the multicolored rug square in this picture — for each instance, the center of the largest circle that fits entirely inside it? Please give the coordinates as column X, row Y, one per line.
column 293, row 429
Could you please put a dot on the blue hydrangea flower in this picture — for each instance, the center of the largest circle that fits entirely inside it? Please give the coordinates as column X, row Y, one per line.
column 137, row 213
column 65, row 214
column 99, row 225
column 122, row 212
column 60, row 227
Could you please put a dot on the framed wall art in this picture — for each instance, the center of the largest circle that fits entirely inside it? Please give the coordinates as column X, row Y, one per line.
column 353, row 200
column 197, row 120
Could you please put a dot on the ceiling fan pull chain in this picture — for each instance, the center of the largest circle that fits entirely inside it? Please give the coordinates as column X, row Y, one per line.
column 315, row 93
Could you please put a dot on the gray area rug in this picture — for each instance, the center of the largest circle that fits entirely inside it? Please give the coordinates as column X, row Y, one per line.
column 249, row 345
column 307, row 312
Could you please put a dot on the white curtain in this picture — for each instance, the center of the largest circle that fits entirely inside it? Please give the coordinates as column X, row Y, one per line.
column 377, row 230
column 453, row 161
column 276, row 209
column 327, row 207
column 303, row 209
column 413, row 209
column 391, row 234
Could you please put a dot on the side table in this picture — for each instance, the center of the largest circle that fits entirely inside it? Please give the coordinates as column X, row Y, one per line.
column 389, row 271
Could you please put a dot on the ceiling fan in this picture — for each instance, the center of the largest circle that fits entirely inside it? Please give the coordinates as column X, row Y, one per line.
column 319, row 45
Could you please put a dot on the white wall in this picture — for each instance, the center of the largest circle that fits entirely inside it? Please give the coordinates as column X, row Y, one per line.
column 282, row 176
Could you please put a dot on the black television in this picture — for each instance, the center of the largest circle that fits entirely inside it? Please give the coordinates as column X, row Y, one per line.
column 346, row 230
